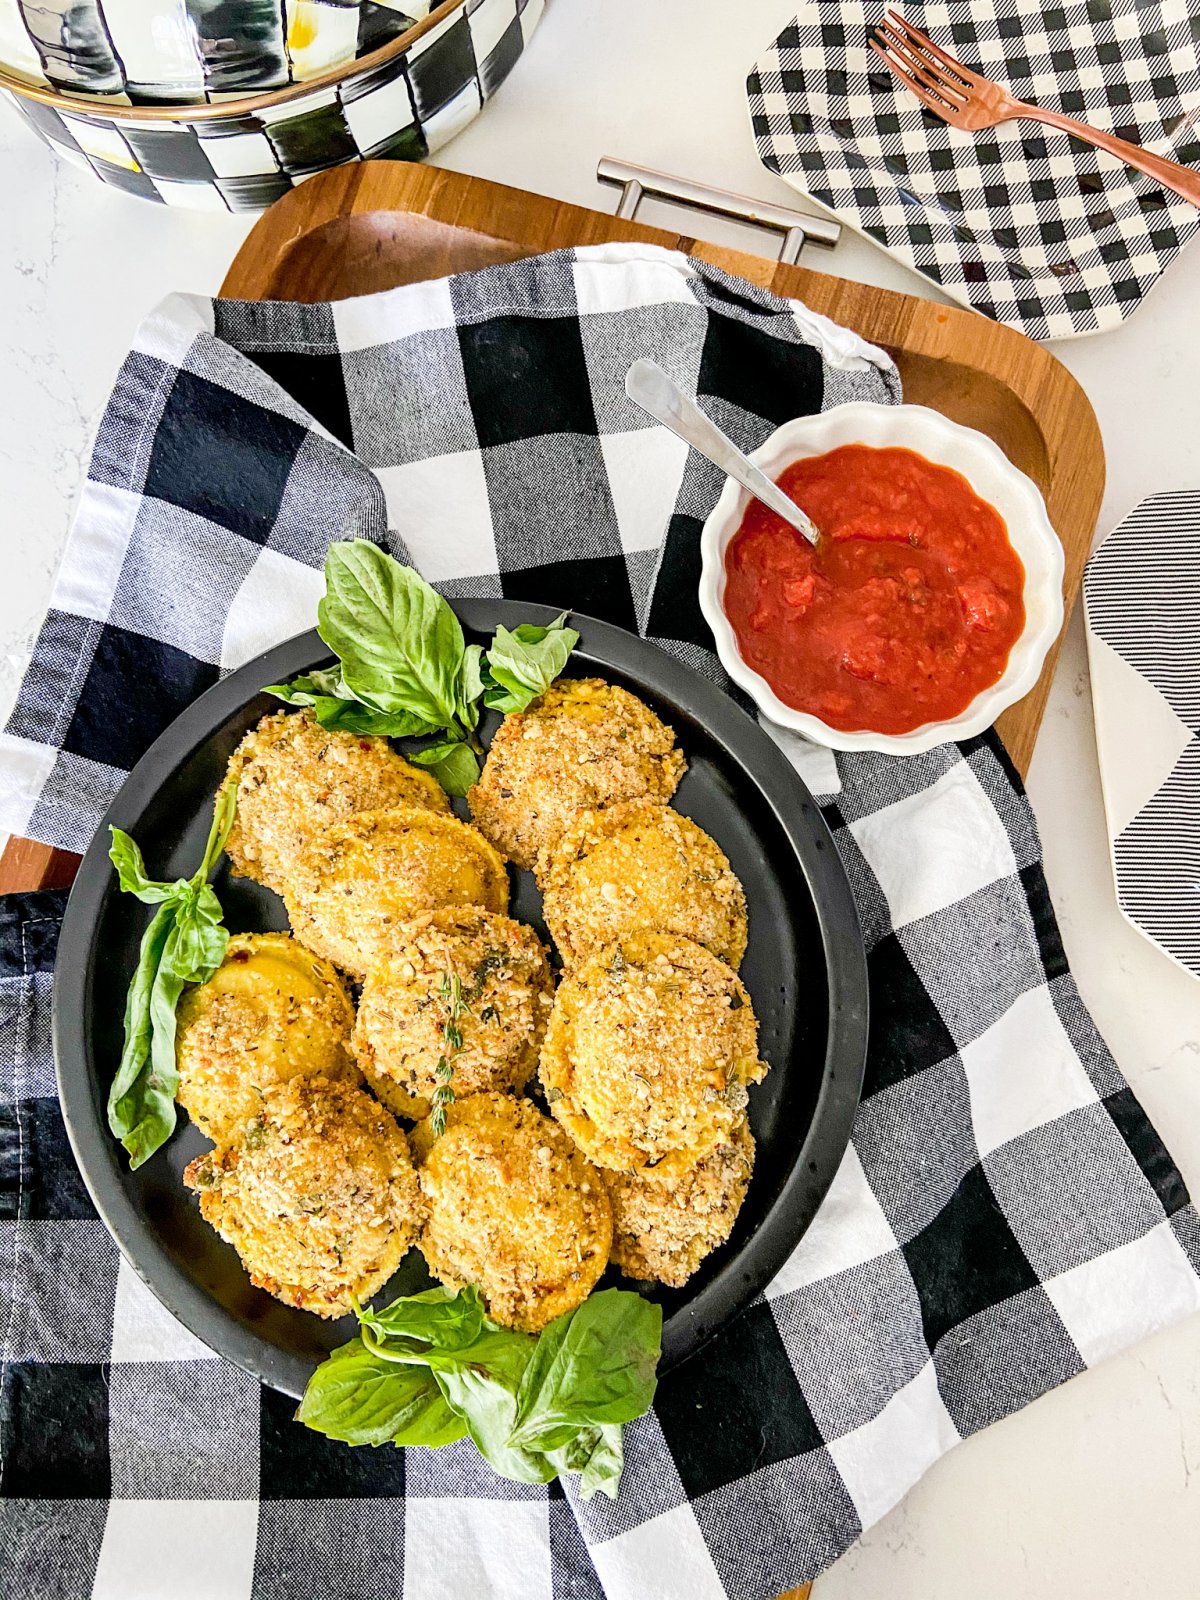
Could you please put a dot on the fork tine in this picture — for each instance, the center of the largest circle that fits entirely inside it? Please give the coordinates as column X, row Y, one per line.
column 928, row 72
column 926, row 46
column 943, row 108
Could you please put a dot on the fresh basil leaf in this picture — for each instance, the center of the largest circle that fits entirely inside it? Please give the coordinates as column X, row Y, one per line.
column 487, row 1409
column 335, row 706
column 597, row 1455
column 358, row 1399
column 604, row 1463
column 453, row 763
column 524, row 663
column 131, row 870
column 595, row 1365
column 501, row 1353
column 200, row 938
column 536, row 633
column 293, row 694
column 400, row 644
column 481, row 1383
column 185, row 943
column 126, row 1102
column 471, row 686
column 155, row 1089
column 323, row 684
column 141, row 1101
column 351, row 716
column 439, row 1317
column 224, row 807
column 493, row 1349
column 430, row 1367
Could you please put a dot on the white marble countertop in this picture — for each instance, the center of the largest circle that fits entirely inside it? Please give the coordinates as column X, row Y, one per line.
column 1094, row 1489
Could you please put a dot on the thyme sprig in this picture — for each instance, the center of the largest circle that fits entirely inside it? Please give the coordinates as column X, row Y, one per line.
column 450, row 991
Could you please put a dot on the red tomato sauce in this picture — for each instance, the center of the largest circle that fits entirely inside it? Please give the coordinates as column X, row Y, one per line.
column 906, row 609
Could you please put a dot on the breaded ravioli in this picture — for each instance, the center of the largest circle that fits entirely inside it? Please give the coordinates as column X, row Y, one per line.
column 271, row 1011
column 641, row 865
column 582, row 744
column 651, row 1044
column 484, row 973
column 359, row 880
column 512, row 1208
column 318, row 1196
column 663, row 1230
column 294, row 778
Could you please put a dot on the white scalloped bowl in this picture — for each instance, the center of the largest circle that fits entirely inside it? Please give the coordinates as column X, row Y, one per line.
column 994, row 479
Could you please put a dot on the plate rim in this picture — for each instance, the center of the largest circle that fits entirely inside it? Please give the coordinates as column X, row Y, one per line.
column 1045, row 327
column 825, row 1140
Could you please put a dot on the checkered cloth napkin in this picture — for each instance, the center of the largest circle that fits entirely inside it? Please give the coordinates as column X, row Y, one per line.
column 1006, row 1215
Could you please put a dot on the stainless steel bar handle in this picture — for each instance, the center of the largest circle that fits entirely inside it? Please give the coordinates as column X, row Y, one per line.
column 797, row 227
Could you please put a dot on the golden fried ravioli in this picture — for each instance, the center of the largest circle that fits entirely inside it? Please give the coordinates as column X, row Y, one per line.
column 512, row 1208
column 294, row 778
column 651, row 1043
column 271, row 1011
column 485, row 974
column 582, row 744
column 641, row 865
column 318, row 1195
column 359, row 880
column 663, row 1229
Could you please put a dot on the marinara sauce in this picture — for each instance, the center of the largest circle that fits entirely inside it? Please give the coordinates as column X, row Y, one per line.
column 905, row 610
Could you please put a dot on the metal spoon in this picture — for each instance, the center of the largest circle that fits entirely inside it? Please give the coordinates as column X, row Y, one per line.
column 648, row 386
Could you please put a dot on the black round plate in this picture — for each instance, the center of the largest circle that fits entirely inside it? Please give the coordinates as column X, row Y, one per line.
column 805, row 970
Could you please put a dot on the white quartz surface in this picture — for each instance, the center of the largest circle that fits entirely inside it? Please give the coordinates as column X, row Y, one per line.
column 1095, row 1489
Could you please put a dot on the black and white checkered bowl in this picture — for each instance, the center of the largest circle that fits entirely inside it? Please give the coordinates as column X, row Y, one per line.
column 400, row 101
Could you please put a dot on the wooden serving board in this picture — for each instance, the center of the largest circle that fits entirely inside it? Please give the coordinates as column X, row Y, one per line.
column 372, row 225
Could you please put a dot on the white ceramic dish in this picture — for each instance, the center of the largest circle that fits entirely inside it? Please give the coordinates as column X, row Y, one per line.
column 992, row 476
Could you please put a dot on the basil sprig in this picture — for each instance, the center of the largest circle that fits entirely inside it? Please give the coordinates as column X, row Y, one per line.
column 405, row 670
column 524, row 663
column 185, row 943
column 432, row 1368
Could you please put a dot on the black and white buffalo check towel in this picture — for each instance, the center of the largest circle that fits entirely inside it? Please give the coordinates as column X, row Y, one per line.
column 1006, row 1215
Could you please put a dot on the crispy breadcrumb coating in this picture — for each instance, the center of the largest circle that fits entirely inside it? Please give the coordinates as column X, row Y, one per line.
column 582, row 744
column 294, row 778
column 641, row 865
column 664, row 1230
column 271, row 1011
column 505, row 989
column 361, row 879
column 650, row 1047
column 318, row 1196
column 513, row 1208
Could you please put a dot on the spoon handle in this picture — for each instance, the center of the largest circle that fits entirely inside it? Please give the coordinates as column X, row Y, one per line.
column 648, row 386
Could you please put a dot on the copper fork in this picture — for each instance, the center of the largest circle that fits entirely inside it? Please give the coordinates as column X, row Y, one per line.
column 971, row 102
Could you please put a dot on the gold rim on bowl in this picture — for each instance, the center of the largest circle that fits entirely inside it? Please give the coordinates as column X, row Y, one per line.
column 246, row 105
